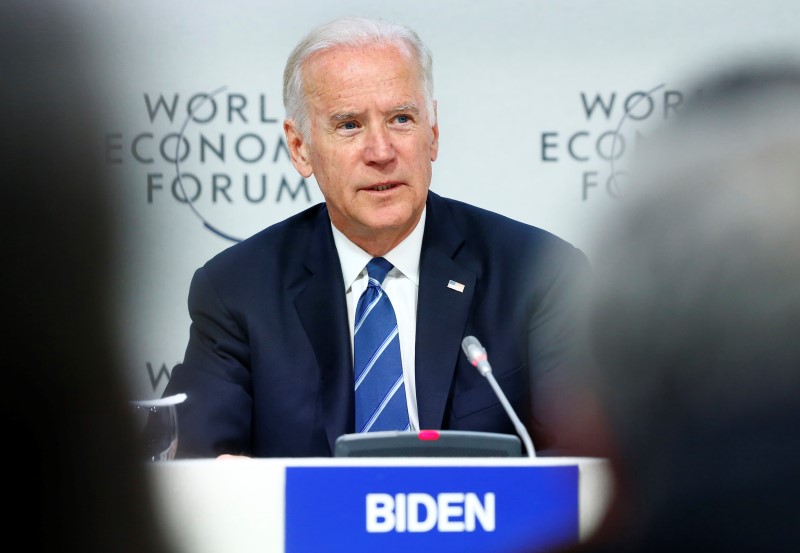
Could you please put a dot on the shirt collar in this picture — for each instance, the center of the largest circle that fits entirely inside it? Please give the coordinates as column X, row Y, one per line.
column 404, row 256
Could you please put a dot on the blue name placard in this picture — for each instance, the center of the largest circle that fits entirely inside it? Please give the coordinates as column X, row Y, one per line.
column 442, row 509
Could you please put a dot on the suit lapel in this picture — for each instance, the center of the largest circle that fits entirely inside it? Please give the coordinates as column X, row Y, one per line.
column 442, row 313
column 323, row 313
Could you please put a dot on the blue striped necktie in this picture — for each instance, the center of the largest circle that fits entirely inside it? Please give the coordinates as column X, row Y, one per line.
column 380, row 391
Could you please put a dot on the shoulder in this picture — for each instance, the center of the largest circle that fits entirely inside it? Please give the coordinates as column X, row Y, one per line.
column 490, row 229
column 274, row 239
column 277, row 248
column 489, row 243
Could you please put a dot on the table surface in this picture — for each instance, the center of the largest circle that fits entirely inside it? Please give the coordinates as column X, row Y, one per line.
column 237, row 505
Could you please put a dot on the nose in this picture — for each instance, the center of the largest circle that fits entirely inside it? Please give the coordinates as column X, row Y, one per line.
column 378, row 149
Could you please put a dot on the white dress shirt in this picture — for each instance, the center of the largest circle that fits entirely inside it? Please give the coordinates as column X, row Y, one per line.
column 401, row 285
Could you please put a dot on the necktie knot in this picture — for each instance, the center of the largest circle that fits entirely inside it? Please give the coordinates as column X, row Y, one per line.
column 377, row 269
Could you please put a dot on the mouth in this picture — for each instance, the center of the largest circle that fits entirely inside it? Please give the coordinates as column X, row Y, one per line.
column 381, row 187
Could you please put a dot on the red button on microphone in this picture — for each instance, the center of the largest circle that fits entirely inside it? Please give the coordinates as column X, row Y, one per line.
column 428, row 435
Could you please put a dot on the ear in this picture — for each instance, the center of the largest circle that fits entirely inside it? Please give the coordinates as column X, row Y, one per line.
column 435, row 129
column 298, row 148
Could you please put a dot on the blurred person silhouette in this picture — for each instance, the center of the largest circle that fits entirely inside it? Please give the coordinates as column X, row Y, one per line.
column 74, row 480
column 693, row 326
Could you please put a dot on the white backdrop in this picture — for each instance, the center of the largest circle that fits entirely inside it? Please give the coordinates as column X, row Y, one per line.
column 529, row 94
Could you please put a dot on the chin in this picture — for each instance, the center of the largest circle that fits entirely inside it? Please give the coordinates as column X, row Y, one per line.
column 391, row 219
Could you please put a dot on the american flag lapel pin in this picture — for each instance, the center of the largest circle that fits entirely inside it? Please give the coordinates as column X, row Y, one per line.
column 457, row 286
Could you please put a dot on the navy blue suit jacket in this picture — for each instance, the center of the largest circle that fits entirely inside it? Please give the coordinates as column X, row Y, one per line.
column 268, row 368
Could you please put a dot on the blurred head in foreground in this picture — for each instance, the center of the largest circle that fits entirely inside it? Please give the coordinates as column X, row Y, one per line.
column 74, row 479
column 694, row 325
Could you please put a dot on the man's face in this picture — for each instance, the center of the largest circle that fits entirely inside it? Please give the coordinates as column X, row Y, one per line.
column 371, row 143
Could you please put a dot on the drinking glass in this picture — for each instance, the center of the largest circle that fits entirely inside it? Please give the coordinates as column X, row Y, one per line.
column 157, row 426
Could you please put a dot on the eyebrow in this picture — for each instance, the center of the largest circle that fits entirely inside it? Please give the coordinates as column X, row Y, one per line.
column 405, row 107
column 344, row 116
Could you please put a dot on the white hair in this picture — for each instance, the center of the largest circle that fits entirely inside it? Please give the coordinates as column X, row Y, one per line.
column 352, row 32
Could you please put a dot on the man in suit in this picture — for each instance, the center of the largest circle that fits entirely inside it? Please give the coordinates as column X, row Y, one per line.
column 269, row 368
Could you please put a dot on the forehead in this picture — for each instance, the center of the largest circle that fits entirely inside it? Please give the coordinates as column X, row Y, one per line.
column 345, row 73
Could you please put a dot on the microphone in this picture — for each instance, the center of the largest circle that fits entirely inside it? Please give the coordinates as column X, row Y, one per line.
column 476, row 354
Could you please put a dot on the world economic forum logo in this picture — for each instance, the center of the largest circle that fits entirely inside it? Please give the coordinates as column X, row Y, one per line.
column 616, row 123
column 221, row 154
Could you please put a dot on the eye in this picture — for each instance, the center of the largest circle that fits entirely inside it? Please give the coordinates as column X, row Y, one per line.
column 348, row 125
column 402, row 119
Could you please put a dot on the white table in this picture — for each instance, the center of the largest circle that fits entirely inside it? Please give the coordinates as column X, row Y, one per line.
column 237, row 506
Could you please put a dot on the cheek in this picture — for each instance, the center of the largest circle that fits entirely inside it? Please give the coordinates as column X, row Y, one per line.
column 332, row 178
column 337, row 161
column 423, row 156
